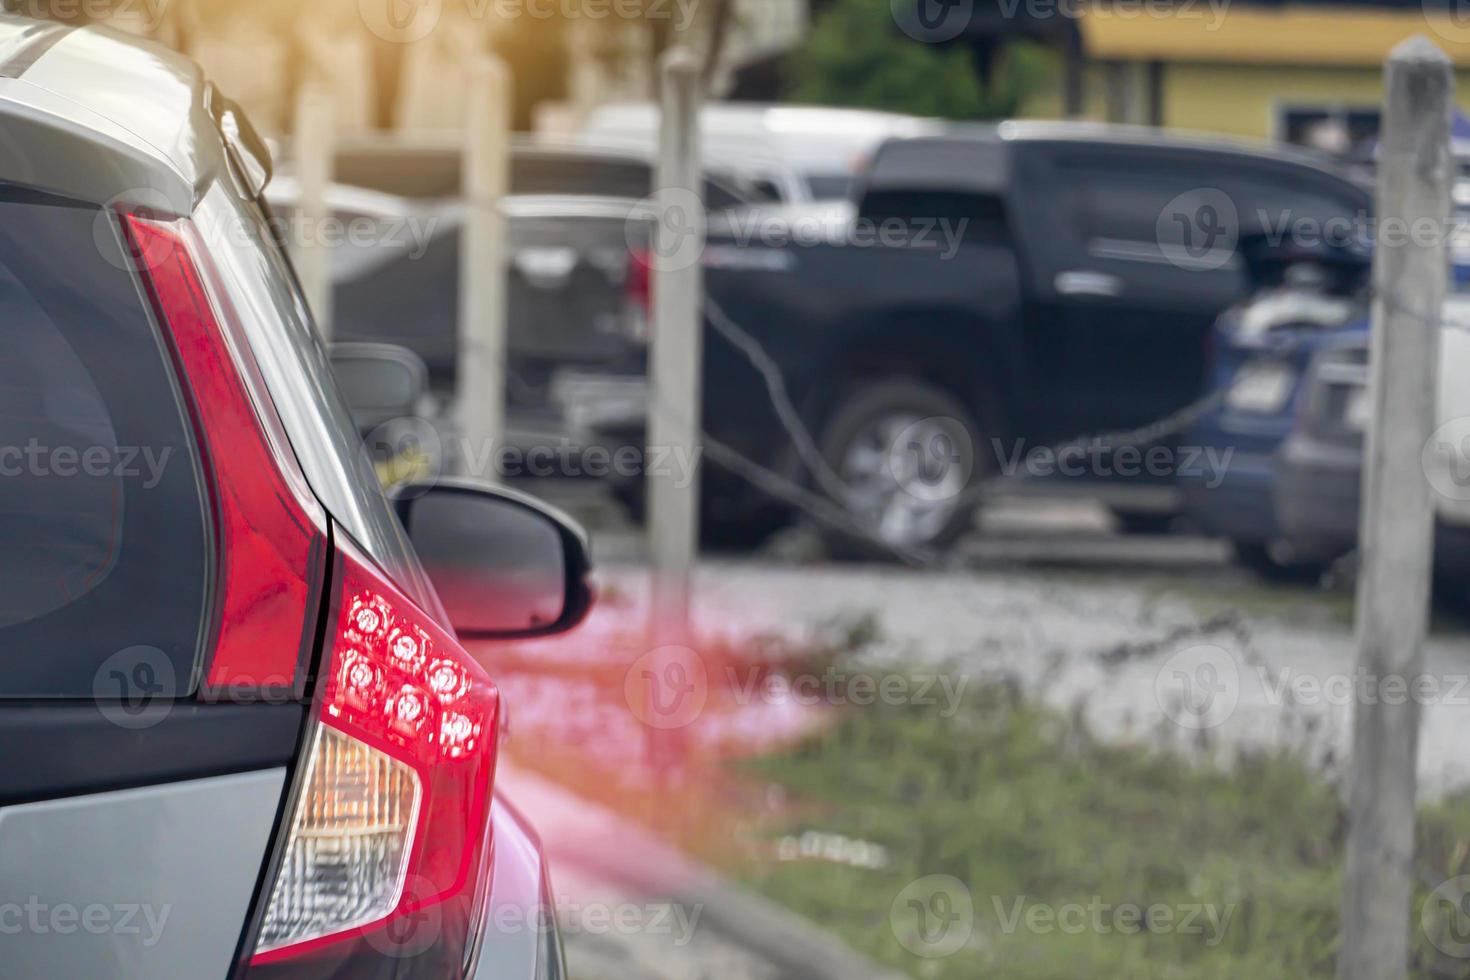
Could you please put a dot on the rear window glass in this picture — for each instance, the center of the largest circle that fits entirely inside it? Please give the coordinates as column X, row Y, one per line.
column 103, row 548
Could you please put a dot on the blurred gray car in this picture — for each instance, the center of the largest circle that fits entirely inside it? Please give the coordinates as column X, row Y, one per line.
column 574, row 218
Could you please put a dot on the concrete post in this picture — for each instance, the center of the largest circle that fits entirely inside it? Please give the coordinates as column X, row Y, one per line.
column 1396, row 533
column 314, row 143
column 676, row 343
column 482, row 273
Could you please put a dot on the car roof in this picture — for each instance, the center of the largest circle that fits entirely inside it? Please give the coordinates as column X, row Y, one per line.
column 754, row 116
column 1120, row 134
column 807, row 138
column 978, row 156
column 131, row 99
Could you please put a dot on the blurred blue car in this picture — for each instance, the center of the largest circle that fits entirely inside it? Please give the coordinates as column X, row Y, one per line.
column 1260, row 351
column 1306, row 307
column 1317, row 485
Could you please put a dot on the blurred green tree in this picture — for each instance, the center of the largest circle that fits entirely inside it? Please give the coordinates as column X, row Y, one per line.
column 856, row 56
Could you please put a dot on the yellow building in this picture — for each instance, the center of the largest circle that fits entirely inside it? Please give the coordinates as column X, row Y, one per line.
column 1301, row 72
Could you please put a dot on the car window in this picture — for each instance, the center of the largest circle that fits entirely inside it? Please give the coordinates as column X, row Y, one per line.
column 1297, row 210
column 1148, row 220
column 555, row 173
column 830, row 186
column 257, row 275
column 1122, row 198
column 105, row 547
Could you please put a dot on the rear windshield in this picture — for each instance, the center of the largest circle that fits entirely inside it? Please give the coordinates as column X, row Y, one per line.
column 103, row 549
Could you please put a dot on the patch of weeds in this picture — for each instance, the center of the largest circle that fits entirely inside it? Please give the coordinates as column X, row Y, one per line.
column 1235, row 872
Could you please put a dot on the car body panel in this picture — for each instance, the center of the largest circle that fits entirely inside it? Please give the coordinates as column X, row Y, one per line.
column 85, row 88
column 1317, row 493
column 135, row 884
column 513, row 943
column 1236, row 501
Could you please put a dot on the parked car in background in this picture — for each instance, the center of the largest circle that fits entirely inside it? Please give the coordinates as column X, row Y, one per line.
column 825, row 147
column 567, row 215
column 573, row 216
column 1318, row 490
column 1260, row 350
column 986, row 294
column 235, row 699
column 429, row 170
column 568, row 258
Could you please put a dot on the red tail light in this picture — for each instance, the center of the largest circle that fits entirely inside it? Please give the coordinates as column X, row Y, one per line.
column 638, row 295
column 389, row 828
column 389, row 835
column 269, row 526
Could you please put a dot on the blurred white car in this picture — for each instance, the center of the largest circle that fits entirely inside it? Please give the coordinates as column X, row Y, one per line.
column 824, row 147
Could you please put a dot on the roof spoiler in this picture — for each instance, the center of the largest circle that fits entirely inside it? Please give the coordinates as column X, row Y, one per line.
column 248, row 152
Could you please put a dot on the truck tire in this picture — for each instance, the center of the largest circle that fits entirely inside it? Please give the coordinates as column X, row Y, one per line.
column 911, row 454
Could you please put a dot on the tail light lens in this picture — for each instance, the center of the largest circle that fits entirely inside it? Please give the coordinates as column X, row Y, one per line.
column 269, row 525
column 638, row 295
column 347, row 857
column 389, row 828
column 389, row 832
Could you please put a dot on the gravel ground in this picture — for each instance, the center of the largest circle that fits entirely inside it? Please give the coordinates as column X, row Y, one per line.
column 1121, row 628
column 1117, row 650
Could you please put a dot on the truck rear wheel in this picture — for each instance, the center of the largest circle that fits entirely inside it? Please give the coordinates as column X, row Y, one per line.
column 909, row 455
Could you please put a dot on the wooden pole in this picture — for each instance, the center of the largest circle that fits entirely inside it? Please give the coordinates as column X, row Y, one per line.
column 1396, row 533
column 482, row 273
column 675, row 355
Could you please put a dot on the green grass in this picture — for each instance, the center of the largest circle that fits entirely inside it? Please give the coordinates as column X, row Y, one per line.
column 1021, row 804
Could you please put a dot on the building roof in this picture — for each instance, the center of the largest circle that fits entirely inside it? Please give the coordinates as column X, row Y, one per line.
column 1288, row 34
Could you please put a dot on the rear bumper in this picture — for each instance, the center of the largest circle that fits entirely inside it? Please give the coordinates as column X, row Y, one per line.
column 519, row 938
column 1237, row 504
column 1317, row 496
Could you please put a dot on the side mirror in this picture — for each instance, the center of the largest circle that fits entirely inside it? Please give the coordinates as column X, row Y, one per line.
column 505, row 565
column 379, row 381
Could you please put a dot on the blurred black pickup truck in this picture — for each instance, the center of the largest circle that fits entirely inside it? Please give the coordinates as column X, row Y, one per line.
column 988, row 293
